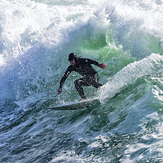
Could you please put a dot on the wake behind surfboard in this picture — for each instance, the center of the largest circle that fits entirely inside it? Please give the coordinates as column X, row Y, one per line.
column 76, row 105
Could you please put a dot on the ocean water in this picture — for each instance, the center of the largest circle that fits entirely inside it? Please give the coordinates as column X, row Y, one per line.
column 36, row 37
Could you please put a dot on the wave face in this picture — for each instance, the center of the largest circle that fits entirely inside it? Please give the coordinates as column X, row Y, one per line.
column 36, row 37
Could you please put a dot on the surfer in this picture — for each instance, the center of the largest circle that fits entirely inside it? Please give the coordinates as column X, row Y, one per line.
column 84, row 68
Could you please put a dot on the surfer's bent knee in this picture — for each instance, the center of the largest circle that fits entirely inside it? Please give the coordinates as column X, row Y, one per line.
column 77, row 83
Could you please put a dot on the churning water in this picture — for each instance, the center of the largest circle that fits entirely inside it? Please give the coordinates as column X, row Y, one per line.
column 36, row 37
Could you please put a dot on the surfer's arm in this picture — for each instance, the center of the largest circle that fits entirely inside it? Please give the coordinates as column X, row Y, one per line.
column 91, row 61
column 67, row 73
column 102, row 65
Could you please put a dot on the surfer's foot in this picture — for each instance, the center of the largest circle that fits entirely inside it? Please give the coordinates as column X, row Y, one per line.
column 83, row 99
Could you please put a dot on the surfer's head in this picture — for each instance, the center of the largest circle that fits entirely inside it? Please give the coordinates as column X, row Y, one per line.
column 72, row 58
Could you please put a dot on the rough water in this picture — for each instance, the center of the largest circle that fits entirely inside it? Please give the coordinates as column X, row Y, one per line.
column 36, row 37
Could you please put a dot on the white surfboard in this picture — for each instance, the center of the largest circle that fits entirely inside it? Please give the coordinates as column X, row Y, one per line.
column 76, row 105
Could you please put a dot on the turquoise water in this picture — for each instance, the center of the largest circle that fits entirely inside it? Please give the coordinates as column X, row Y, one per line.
column 35, row 40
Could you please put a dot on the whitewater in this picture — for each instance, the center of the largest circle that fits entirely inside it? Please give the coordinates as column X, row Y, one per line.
column 36, row 37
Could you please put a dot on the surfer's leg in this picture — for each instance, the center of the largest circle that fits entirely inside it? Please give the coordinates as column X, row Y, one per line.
column 95, row 82
column 78, row 84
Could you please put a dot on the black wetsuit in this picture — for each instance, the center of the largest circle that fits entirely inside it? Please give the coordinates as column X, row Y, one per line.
column 90, row 76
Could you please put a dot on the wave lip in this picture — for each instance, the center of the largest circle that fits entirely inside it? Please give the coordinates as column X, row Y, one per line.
column 130, row 73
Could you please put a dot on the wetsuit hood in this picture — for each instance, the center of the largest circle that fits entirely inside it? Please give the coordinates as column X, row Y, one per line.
column 72, row 56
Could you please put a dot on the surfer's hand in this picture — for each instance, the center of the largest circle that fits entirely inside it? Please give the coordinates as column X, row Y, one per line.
column 59, row 90
column 102, row 65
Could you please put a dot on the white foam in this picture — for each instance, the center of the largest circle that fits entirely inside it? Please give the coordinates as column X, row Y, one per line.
column 130, row 74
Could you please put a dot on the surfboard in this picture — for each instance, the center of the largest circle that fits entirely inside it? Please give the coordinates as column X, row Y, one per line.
column 76, row 105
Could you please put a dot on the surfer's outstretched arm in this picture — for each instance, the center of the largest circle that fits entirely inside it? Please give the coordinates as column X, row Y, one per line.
column 90, row 61
column 67, row 73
